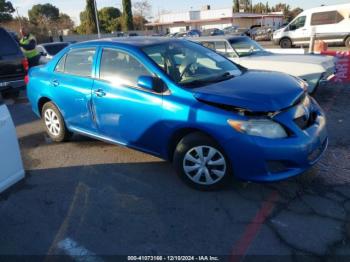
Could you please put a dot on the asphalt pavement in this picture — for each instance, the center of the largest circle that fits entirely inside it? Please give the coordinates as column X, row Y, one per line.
column 86, row 197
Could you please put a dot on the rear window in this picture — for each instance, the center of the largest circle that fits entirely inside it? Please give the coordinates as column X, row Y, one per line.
column 8, row 45
column 55, row 48
column 79, row 62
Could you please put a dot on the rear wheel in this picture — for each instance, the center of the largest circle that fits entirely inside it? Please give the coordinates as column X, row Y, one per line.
column 201, row 162
column 54, row 123
column 347, row 42
column 285, row 43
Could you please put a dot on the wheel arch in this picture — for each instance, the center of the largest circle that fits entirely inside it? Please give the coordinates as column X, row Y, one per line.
column 179, row 134
column 41, row 102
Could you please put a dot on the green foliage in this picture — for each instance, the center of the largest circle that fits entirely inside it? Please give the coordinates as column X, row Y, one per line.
column 43, row 13
column 236, row 6
column 88, row 19
column 127, row 16
column 109, row 19
column 6, row 9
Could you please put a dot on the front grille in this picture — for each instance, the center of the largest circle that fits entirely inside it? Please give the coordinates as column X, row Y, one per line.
column 305, row 121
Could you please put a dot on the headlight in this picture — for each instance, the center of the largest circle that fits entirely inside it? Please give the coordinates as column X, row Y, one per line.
column 304, row 85
column 259, row 127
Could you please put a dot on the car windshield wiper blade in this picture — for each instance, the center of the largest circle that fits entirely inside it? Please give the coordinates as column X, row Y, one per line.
column 222, row 77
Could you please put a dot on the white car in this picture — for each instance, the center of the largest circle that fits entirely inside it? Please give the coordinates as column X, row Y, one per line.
column 11, row 167
column 49, row 50
column 314, row 69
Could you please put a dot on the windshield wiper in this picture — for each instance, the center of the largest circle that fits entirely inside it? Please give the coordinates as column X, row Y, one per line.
column 223, row 77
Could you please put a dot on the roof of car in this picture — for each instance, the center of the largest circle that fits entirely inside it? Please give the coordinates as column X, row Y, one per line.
column 139, row 41
column 218, row 37
column 54, row 43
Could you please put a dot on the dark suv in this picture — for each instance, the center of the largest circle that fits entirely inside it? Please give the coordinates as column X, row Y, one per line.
column 13, row 65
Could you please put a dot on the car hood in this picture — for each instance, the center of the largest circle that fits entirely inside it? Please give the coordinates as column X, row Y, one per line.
column 256, row 91
column 325, row 61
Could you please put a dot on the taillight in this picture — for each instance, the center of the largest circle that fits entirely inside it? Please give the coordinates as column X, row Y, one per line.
column 26, row 79
column 25, row 64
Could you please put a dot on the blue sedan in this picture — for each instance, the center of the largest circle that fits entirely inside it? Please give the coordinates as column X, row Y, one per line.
column 184, row 103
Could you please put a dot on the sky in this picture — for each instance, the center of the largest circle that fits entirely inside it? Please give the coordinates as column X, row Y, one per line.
column 74, row 7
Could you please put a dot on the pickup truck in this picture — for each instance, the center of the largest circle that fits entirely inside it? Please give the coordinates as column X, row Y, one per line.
column 13, row 65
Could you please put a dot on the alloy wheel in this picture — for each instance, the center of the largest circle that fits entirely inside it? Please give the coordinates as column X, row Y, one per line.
column 52, row 123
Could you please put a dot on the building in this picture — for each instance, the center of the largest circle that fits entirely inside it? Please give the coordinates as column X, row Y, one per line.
column 212, row 18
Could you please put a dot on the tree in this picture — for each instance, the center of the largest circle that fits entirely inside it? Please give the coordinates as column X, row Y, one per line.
column 127, row 16
column 43, row 14
column 236, row 6
column 64, row 22
column 6, row 9
column 141, row 9
column 88, row 23
column 246, row 5
column 109, row 19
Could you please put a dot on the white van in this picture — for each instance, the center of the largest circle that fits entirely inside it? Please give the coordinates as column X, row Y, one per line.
column 329, row 23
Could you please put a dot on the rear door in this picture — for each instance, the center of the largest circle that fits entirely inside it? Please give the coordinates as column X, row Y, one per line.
column 11, row 67
column 71, row 85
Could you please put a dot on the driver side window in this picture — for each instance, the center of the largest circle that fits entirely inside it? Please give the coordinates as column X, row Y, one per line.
column 298, row 23
column 121, row 68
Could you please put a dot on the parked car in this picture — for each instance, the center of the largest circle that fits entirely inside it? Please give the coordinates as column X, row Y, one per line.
column 263, row 34
column 212, row 32
column 193, row 33
column 210, row 117
column 330, row 24
column 231, row 30
column 11, row 162
column 13, row 65
column 49, row 50
column 252, row 30
column 316, row 70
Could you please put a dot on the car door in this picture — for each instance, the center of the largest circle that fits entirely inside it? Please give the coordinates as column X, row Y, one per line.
column 299, row 31
column 71, row 86
column 124, row 112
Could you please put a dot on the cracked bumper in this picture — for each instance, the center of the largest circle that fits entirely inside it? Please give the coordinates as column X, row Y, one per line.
column 264, row 160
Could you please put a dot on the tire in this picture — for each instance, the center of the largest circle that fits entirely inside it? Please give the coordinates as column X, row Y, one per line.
column 211, row 173
column 54, row 123
column 286, row 43
column 347, row 42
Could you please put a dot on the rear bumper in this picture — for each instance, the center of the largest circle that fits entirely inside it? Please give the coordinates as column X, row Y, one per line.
column 12, row 84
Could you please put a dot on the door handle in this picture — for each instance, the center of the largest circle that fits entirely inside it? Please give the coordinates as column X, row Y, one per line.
column 55, row 82
column 99, row 92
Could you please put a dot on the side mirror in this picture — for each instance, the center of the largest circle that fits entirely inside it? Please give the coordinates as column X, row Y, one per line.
column 43, row 53
column 151, row 83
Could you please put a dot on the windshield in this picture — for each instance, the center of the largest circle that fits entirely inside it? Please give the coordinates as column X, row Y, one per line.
column 55, row 48
column 8, row 44
column 190, row 64
column 245, row 46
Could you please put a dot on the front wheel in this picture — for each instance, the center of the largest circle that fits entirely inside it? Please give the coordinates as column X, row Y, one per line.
column 286, row 43
column 201, row 162
column 347, row 42
column 54, row 123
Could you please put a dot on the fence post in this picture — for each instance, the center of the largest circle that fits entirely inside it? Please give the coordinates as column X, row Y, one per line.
column 312, row 40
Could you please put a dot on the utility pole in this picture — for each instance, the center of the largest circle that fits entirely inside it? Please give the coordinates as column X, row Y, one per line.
column 19, row 18
column 97, row 22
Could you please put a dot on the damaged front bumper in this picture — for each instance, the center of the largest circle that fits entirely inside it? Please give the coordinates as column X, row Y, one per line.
column 263, row 160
